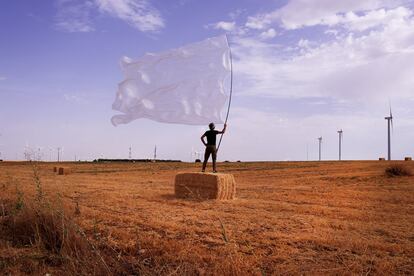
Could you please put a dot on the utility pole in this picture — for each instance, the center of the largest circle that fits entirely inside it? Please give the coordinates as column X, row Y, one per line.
column 340, row 132
column 320, row 148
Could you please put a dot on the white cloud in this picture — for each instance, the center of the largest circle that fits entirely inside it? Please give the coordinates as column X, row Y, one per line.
column 77, row 16
column 138, row 13
column 258, row 22
column 235, row 14
column 367, row 67
column 301, row 13
column 223, row 25
column 74, row 16
column 271, row 33
column 374, row 18
column 304, row 43
column 74, row 98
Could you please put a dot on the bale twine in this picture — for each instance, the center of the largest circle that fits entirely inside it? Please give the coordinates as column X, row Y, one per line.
column 63, row 171
column 205, row 186
column 408, row 159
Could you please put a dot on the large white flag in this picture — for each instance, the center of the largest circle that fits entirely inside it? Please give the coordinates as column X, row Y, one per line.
column 184, row 85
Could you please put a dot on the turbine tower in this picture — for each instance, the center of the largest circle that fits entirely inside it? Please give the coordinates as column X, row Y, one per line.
column 155, row 153
column 340, row 132
column 320, row 148
column 58, row 152
column 390, row 125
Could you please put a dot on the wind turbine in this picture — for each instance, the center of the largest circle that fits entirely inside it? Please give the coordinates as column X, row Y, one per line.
column 58, row 152
column 39, row 153
column 340, row 132
column 307, row 152
column 320, row 148
column 390, row 125
column 50, row 153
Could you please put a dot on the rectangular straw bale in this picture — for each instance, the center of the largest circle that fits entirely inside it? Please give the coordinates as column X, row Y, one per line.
column 205, row 186
column 381, row 159
column 408, row 159
column 55, row 169
column 63, row 170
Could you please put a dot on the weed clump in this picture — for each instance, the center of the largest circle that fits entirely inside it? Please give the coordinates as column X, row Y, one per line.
column 50, row 230
column 398, row 170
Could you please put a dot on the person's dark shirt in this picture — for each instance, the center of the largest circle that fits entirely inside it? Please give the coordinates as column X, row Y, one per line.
column 211, row 137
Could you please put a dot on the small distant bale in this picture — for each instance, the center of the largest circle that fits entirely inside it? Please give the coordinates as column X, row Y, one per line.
column 398, row 170
column 197, row 161
column 55, row 169
column 205, row 186
column 408, row 159
column 64, row 171
column 238, row 161
column 381, row 159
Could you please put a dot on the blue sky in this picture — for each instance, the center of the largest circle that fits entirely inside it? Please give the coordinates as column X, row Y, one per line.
column 302, row 69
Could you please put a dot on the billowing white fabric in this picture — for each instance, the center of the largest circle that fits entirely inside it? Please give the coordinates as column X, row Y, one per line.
column 184, row 85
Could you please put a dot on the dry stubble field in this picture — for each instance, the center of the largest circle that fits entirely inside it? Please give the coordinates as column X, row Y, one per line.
column 288, row 218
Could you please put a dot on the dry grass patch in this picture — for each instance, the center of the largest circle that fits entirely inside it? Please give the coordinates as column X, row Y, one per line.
column 398, row 170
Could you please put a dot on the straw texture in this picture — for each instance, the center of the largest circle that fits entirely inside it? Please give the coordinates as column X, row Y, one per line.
column 205, row 186
column 63, row 170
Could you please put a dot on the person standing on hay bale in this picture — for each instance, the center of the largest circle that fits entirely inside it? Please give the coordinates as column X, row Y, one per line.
column 211, row 145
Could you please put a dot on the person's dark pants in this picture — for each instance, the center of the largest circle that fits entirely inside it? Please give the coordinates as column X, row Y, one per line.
column 213, row 151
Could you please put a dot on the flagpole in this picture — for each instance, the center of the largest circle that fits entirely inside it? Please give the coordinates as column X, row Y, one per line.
column 231, row 90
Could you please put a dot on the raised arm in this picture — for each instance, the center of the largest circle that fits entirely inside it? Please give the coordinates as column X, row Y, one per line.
column 202, row 139
column 224, row 129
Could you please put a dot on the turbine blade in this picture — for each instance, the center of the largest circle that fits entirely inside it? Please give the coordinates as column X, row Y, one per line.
column 389, row 104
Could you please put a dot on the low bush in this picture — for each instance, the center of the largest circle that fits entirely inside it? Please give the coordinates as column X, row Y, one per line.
column 398, row 170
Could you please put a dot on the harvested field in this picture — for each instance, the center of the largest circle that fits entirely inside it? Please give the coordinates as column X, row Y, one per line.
column 287, row 218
